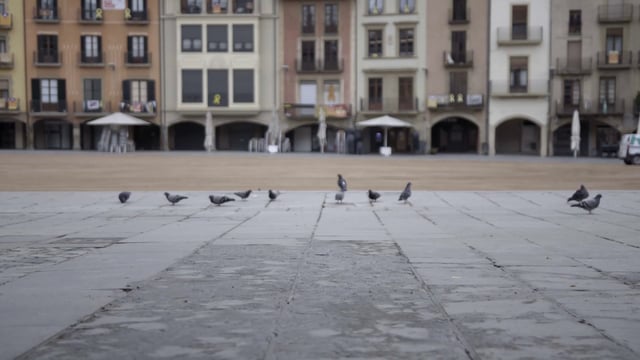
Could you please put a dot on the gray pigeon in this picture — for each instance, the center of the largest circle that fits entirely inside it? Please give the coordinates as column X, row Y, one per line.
column 273, row 194
column 219, row 200
column 339, row 196
column 243, row 194
column 406, row 193
column 589, row 204
column 173, row 199
column 342, row 183
column 124, row 196
column 579, row 195
column 373, row 196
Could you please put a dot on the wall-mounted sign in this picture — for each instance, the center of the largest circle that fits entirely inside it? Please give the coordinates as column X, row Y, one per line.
column 113, row 4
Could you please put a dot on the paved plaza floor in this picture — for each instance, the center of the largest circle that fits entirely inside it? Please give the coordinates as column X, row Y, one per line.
column 449, row 275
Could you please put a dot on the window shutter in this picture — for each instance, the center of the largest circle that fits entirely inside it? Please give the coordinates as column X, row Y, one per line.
column 126, row 90
column 151, row 90
column 62, row 90
column 35, row 89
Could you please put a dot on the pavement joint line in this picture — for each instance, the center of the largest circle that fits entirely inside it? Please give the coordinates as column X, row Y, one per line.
column 606, row 274
column 271, row 338
column 457, row 332
column 556, row 303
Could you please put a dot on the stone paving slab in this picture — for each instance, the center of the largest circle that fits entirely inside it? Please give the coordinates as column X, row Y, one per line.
column 449, row 275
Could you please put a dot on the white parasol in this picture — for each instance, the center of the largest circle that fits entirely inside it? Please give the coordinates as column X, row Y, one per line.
column 322, row 128
column 208, row 132
column 575, row 133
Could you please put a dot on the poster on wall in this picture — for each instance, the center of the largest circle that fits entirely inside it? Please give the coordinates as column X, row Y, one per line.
column 113, row 4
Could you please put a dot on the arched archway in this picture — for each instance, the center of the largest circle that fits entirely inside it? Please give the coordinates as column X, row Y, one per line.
column 53, row 134
column 518, row 136
column 12, row 134
column 596, row 139
column 304, row 138
column 236, row 135
column 455, row 135
column 186, row 136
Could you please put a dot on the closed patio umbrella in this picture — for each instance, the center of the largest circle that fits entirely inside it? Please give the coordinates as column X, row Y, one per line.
column 575, row 133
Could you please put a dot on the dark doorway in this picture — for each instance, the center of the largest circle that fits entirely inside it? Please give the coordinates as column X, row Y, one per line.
column 455, row 135
column 187, row 136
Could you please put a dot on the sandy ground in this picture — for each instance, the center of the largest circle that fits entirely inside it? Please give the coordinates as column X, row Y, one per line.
column 61, row 171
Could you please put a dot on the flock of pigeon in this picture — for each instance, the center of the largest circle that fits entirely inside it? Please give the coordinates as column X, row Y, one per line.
column 580, row 196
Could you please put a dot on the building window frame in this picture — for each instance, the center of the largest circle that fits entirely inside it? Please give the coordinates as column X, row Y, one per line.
column 575, row 22
column 191, row 38
column 331, row 18
column 375, row 44
column 243, row 38
column 217, row 38
column 406, row 41
column 191, row 81
column 244, row 78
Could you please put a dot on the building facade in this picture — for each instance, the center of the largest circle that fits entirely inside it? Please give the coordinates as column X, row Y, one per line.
column 596, row 68
column 519, row 76
column 457, row 76
column 13, row 99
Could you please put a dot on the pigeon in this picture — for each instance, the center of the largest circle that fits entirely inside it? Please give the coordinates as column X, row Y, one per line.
column 589, row 204
column 339, row 196
column 579, row 195
column 124, row 196
column 243, row 194
column 373, row 196
column 273, row 194
column 219, row 200
column 173, row 199
column 406, row 193
column 342, row 183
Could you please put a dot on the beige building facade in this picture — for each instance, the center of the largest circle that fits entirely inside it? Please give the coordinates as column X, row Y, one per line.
column 456, row 116
column 595, row 54
column 84, row 61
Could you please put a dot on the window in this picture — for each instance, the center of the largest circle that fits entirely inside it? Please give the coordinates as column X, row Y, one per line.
column 331, row 55
column 457, row 85
column 243, row 6
column 243, row 38
column 518, row 74
column 217, row 88
column 332, row 92
column 375, row 43
column 575, row 22
column 139, row 95
column 4, row 90
column 330, row 18
column 459, row 10
column 407, row 6
column 308, row 95
column 405, row 93
column 191, row 86
column 217, row 6
column 137, row 10
column 308, row 19
column 459, row 47
column 47, row 48
column 243, row 86
column 49, row 91
column 217, row 38
column 191, row 6
column 91, row 45
column 571, row 94
column 406, row 42
column 614, row 46
column 191, row 38
column 47, row 9
column 89, row 9
column 308, row 56
column 3, row 45
column 375, row 94
column 375, row 7
column 607, row 91
column 48, row 95
column 137, row 50
column 92, row 91
column 519, row 22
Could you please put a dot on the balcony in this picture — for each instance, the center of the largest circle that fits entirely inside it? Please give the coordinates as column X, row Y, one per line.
column 191, row 9
column 6, row 21
column 519, row 35
column 614, row 60
column 310, row 111
column 455, row 102
column 305, row 66
column 139, row 109
column 46, row 15
column 331, row 65
column 582, row 66
column 615, row 13
column 6, row 60
column 9, row 105
column 217, row 8
column 532, row 89
column 458, row 59
column 331, row 28
column 389, row 105
column 86, row 60
column 458, row 17
column 38, row 107
column 47, row 58
column 90, row 16
column 242, row 7
column 137, row 60
column 591, row 107
column 138, row 17
column 91, row 108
